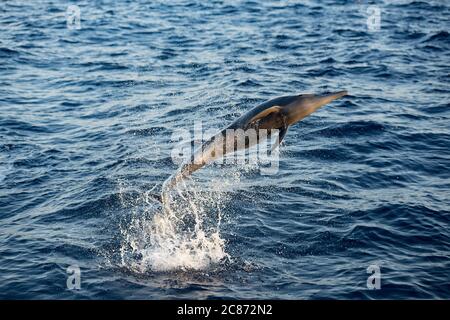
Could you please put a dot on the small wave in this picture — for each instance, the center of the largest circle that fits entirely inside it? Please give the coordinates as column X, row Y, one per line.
column 442, row 36
column 18, row 126
column 249, row 83
column 418, row 5
column 442, row 108
column 6, row 52
column 352, row 129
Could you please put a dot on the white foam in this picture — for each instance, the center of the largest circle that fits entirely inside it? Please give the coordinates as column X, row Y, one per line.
column 183, row 236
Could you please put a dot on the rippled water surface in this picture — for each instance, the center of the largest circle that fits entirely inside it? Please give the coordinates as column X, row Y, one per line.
column 87, row 118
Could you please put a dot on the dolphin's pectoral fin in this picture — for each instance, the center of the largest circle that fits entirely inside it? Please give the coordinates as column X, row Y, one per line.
column 264, row 113
column 281, row 135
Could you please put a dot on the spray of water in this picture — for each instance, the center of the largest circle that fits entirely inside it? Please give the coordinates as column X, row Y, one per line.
column 184, row 233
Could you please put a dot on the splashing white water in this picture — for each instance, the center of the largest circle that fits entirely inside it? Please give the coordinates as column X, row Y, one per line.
column 185, row 236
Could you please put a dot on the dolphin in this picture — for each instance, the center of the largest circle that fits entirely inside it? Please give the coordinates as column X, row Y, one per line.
column 279, row 113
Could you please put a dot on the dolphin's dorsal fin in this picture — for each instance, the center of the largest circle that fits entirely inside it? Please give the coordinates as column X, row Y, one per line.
column 265, row 113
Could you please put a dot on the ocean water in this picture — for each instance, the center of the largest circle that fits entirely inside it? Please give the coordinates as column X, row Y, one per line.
column 88, row 114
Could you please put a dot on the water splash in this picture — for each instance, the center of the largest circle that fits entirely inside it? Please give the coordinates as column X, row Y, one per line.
column 183, row 234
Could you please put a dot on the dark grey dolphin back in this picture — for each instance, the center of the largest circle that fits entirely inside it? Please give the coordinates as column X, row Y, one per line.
column 243, row 120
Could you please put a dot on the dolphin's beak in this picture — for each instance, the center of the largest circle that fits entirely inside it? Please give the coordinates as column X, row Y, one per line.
column 327, row 98
column 307, row 104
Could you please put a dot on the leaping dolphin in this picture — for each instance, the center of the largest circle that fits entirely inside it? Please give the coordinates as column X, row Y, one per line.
column 278, row 113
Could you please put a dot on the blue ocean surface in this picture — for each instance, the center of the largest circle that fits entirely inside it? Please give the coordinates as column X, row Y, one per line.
column 89, row 110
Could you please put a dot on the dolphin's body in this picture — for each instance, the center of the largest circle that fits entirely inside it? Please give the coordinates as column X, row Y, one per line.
column 278, row 113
